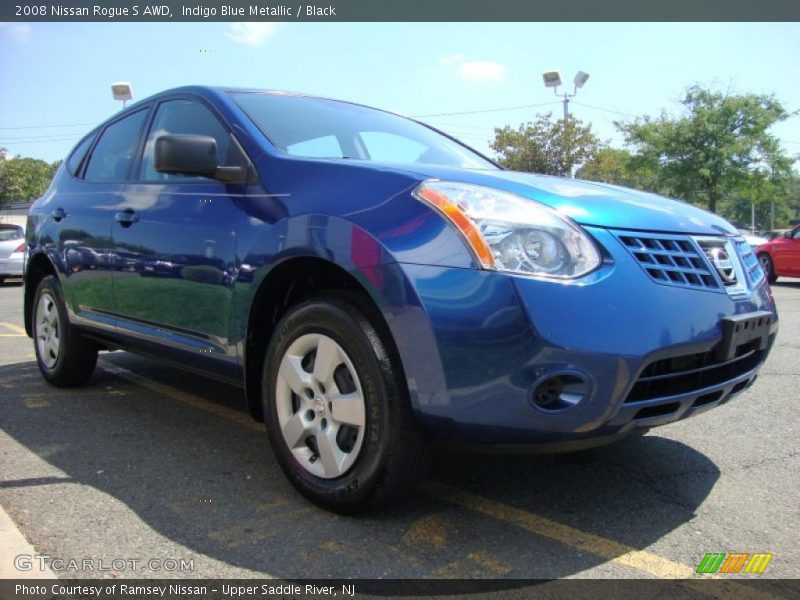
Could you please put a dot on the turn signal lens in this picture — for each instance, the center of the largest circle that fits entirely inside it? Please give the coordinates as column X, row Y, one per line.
column 462, row 222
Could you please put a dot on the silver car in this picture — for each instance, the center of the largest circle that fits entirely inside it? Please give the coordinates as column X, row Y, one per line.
column 12, row 250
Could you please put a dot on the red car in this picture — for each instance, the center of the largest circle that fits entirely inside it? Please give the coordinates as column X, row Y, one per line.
column 781, row 256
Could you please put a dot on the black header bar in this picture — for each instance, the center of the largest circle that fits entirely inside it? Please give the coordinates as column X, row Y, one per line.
column 402, row 10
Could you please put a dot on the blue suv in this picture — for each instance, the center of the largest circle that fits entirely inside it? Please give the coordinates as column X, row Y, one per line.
column 373, row 285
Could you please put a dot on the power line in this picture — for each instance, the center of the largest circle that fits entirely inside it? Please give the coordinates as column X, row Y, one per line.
column 467, row 131
column 485, row 110
column 41, row 137
column 465, row 126
column 47, row 126
column 608, row 110
column 64, row 139
column 467, row 112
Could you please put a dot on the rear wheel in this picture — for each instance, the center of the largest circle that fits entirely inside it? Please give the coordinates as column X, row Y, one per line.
column 768, row 267
column 336, row 408
column 65, row 358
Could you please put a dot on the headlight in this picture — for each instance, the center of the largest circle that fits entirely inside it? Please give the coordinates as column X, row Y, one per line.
column 510, row 233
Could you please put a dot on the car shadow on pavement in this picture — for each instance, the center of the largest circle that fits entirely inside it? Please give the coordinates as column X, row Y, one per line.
column 205, row 486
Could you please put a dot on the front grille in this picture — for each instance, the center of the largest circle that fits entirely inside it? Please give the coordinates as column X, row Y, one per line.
column 750, row 261
column 671, row 260
column 693, row 372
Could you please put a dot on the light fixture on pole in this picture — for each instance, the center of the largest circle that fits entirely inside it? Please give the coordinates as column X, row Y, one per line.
column 122, row 90
column 552, row 79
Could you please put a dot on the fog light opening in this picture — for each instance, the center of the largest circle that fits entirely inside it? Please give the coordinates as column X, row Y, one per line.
column 559, row 392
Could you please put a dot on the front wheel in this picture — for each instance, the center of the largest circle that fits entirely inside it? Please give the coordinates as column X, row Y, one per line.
column 767, row 267
column 337, row 410
column 65, row 358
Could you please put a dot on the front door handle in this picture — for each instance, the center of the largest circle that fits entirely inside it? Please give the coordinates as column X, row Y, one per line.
column 127, row 217
column 58, row 214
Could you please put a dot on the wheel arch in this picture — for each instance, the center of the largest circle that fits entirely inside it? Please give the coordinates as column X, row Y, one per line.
column 37, row 268
column 286, row 284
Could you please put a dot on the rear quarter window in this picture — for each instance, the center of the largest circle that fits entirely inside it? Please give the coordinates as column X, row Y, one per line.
column 112, row 155
column 79, row 153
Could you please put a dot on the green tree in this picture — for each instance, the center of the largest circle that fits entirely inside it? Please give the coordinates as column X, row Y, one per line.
column 717, row 145
column 620, row 167
column 23, row 179
column 545, row 146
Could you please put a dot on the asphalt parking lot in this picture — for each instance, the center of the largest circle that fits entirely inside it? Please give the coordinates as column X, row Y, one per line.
column 148, row 462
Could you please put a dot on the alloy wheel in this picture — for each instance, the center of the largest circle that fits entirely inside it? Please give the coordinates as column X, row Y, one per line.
column 320, row 405
column 48, row 330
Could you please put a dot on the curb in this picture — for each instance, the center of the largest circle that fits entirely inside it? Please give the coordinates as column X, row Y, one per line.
column 12, row 544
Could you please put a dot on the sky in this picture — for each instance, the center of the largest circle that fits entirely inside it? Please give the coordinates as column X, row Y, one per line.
column 59, row 74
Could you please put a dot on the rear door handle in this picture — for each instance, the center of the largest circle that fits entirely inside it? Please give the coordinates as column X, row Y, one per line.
column 127, row 217
column 58, row 214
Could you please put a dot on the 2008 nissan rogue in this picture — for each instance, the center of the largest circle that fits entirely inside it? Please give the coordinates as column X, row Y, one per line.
column 374, row 284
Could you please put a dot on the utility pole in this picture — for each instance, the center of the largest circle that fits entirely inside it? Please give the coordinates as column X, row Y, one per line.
column 772, row 215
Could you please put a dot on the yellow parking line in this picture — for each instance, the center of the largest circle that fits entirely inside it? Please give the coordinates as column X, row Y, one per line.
column 15, row 328
column 610, row 550
column 430, row 530
column 577, row 539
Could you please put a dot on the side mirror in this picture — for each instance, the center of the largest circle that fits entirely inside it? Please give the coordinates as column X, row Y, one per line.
column 186, row 155
column 788, row 234
column 192, row 155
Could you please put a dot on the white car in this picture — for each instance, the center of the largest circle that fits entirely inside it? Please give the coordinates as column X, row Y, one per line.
column 12, row 250
column 753, row 240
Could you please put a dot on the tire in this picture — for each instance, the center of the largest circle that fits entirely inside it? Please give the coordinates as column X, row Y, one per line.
column 768, row 267
column 2, row 281
column 65, row 358
column 332, row 460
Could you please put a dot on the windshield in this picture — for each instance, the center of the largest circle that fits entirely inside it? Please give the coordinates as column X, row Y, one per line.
column 313, row 127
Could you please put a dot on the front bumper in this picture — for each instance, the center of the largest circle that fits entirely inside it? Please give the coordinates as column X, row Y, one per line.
column 474, row 345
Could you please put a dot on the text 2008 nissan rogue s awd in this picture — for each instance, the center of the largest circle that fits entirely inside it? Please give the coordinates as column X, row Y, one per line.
column 374, row 285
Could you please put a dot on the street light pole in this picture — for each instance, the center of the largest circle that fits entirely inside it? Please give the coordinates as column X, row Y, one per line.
column 552, row 79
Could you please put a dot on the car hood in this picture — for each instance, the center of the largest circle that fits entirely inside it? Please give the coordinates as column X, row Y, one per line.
column 591, row 203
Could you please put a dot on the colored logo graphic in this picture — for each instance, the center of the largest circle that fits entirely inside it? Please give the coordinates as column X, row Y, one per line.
column 734, row 562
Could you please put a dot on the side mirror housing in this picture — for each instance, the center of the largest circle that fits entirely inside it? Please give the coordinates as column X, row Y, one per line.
column 186, row 155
